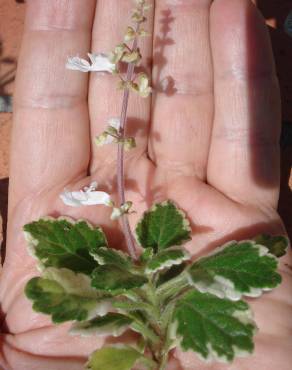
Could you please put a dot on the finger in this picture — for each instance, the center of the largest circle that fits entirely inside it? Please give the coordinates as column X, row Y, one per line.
column 183, row 96
column 105, row 101
column 51, row 130
column 244, row 154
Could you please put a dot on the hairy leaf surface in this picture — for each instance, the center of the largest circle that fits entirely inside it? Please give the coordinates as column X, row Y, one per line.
column 110, row 256
column 163, row 226
column 113, row 358
column 65, row 296
column 215, row 328
column 64, row 243
column 115, row 280
column 110, row 324
column 236, row 269
column 167, row 258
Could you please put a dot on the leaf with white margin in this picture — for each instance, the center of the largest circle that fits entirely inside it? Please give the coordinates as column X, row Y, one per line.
column 277, row 245
column 234, row 270
column 65, row 295
column 112, row 323
column 163, row 226
column 217, row 329
column 118, row 357
column 63, row 242
column 110, row 256
column 167, row 258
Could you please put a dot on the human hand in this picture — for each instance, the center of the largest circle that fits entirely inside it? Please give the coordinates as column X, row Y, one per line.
column 210, row 143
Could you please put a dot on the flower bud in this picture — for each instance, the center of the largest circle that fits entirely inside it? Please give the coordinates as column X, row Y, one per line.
column 129, row 143
column 132, row 57
column 118, row 212
column 142, row 82
column 130, row 34
column 112, row 131
column 143, row 33
column 101, row 139
column 116, row 55
column 138, row 17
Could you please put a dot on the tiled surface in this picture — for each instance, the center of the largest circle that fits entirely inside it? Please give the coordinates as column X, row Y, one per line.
column 275, row 11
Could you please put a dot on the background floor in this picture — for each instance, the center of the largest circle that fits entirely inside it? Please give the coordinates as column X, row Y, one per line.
column 275, row 12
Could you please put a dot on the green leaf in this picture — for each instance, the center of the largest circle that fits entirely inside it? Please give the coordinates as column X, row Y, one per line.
column 215, row 328
column 115, row 280
column 167, row 258
column 163, row 226
column 109, row 256
column 114, row 358
column 64, row 243
column 145, row 330
column 173, row 272
column 127, row 305
column 173, row 287
column 236, row 269
column 65, row 296
column 277, row 245
column 146, row 255
column 113, row 324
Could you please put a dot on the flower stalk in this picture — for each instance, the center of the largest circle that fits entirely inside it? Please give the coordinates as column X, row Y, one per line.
column 130, row 240
column 120, row 160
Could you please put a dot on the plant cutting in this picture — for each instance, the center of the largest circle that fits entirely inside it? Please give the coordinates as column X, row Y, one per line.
column 156, row 289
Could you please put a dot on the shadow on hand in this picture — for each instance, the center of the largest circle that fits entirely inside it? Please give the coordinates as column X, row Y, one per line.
column 161, row 42
column 273, row 228
column 276, row 11
column 263, row 136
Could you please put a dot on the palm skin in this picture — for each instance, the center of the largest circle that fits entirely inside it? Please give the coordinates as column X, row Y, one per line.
column 206, row 151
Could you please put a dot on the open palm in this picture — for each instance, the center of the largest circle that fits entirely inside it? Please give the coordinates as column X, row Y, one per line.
column 208, row 139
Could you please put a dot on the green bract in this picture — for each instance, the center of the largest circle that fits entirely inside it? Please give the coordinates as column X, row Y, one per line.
column 165, row 297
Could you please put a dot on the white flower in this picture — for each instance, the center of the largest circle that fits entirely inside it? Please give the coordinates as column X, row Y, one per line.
column 99, row 63
column 141, row 86
column 88, row 196
column 111, row 134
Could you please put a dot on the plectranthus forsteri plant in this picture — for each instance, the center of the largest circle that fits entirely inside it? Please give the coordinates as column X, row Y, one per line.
column 156, row 289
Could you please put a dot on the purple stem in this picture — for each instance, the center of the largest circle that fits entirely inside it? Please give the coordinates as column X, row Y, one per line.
column 120, row 161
